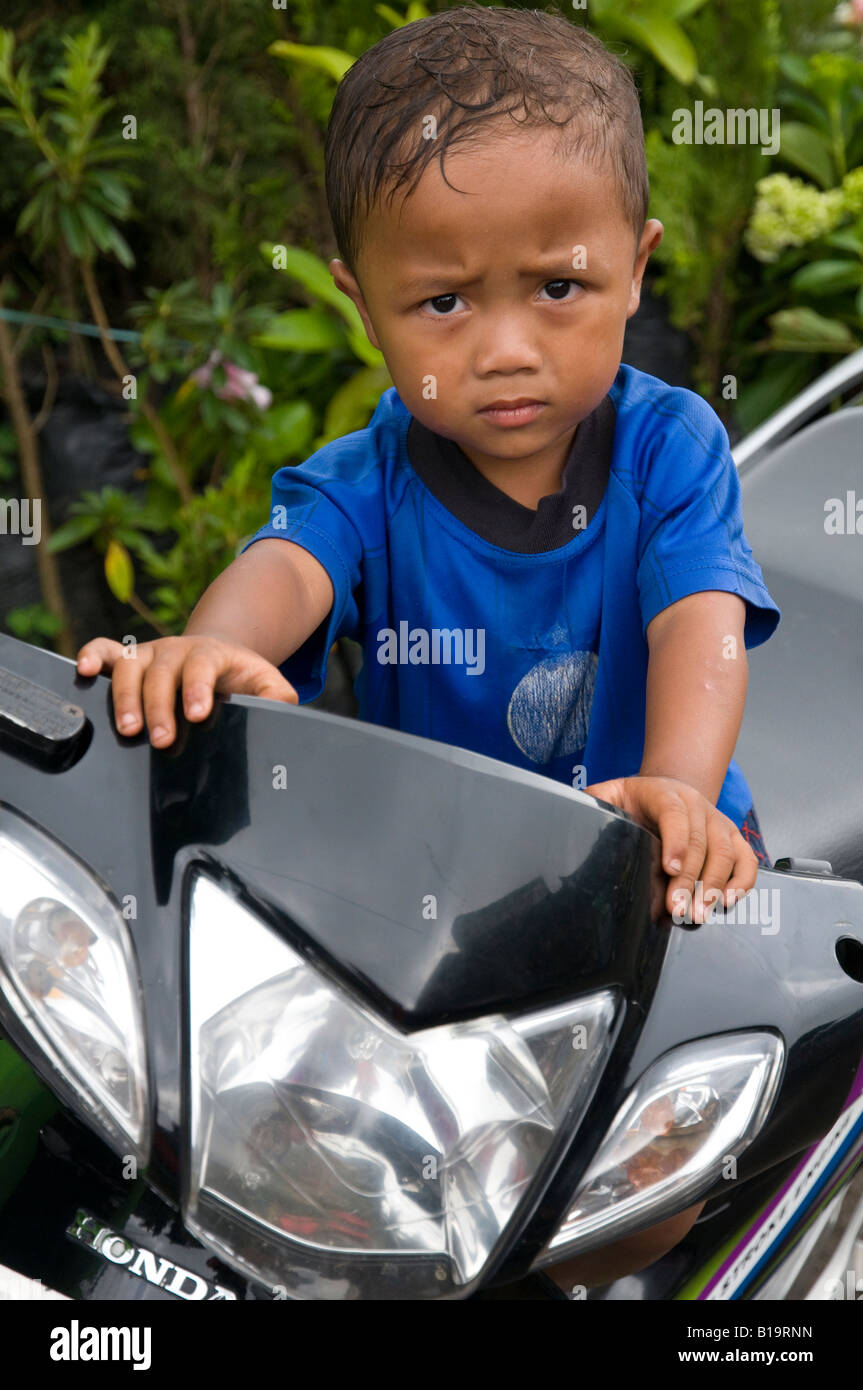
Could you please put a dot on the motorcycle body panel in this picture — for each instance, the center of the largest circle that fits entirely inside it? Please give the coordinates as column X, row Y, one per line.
column 339, row 836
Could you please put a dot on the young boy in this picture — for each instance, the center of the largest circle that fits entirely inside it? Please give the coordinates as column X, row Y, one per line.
column 540, row 549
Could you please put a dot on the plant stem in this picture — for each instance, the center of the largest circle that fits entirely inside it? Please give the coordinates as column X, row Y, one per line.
column 115, row 357
column 148, row 615
column 31, row 476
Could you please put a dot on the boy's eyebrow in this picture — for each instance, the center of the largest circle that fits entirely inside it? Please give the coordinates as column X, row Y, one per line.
column 415, row 283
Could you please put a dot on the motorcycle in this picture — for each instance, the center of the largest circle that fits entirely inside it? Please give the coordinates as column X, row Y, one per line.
column 301, row 1008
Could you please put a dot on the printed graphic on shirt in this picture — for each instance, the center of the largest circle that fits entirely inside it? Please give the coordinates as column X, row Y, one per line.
column 549, row 712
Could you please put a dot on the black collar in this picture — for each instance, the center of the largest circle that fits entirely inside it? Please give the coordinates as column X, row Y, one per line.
column 450, row 476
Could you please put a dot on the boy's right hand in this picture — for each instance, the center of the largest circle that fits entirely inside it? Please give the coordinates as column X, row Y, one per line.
column 152, row 672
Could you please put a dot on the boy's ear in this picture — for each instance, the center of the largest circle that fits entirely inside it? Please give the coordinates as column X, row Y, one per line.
column 650, row 239
column 348, row 285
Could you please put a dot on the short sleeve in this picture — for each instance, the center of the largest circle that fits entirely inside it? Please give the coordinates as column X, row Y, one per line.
column 323, row 505
column 691, row 535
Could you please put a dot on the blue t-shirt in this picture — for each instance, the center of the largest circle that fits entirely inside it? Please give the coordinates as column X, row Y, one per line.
column 539, row 660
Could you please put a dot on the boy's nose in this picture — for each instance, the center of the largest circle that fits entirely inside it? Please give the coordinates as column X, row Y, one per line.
column 506, row 344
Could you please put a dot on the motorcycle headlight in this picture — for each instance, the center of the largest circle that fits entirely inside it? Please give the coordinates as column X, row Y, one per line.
column 68, row 973
column 333, row 1156
column 682, row 1125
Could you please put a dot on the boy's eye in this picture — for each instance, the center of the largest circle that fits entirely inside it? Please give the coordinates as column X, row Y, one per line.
column 558, row 284
column 443, row 301
column 443, row 304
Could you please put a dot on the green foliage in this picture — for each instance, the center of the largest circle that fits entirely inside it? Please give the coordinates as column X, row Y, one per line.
column 224, row 427
column 33, row 623
column 251, row 370
column 74, row 190
column 657, row 27
column 229, row 152
column 106, row 516
column 702, row 193
column 328, row 60
column 827, row 93
column 209, row 533
column 808, row 236
column 316, row 331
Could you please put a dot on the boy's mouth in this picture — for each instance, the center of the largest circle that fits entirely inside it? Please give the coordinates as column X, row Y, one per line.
column 515, row 412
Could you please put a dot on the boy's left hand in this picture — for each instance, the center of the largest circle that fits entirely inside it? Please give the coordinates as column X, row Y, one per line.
column 698, row 841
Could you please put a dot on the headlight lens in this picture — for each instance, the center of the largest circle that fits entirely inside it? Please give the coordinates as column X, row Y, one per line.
column 338, row 1157
column 68, row 972
column 693, row 1110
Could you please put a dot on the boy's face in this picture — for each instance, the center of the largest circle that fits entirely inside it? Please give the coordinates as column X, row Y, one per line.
column 517, row 287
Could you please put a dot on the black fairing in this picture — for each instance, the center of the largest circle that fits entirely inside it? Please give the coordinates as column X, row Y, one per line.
column 541, row 894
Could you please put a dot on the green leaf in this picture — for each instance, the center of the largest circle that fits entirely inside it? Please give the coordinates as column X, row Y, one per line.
column 97, row 225
column 806, row 108
column 33, row 623
column 858, row 303
column 314, row 275
column 235, row 419
column 659, row 35
column 221, row 300
column 301, row 330
column 353, row 404
column 73, row 233
column 846, row 239
column 807, row 149
column 72, row 532
column 119, row 245
column 210, row 411
column 311, row 272
column 144, row 549
column 12, row 120
column 284, row 431
column 795, row 68
column 113, row 190
column 828, row 277
column 781, row 380
column 30, row 212
column 708, row 85
column 65, row 121
column 362, row 348
column 391, row 16
column 804, row 330
column 333, row 61
column 682, row 9
column 119, row 571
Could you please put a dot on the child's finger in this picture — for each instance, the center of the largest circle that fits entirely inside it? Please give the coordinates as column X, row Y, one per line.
column 745, row 870
column 250, row 674
column 201, row 670
column 128, row 674
column 672, row 823
column 101, row 654
column 691, row 860
column 159, row 694
column 718, row 866
column 269, row 684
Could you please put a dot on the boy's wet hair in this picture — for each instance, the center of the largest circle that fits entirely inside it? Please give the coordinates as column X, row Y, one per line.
column 465, row 67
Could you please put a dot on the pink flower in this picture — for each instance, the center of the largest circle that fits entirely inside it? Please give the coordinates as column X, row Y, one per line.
column 850, row 13
column 240, row 385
